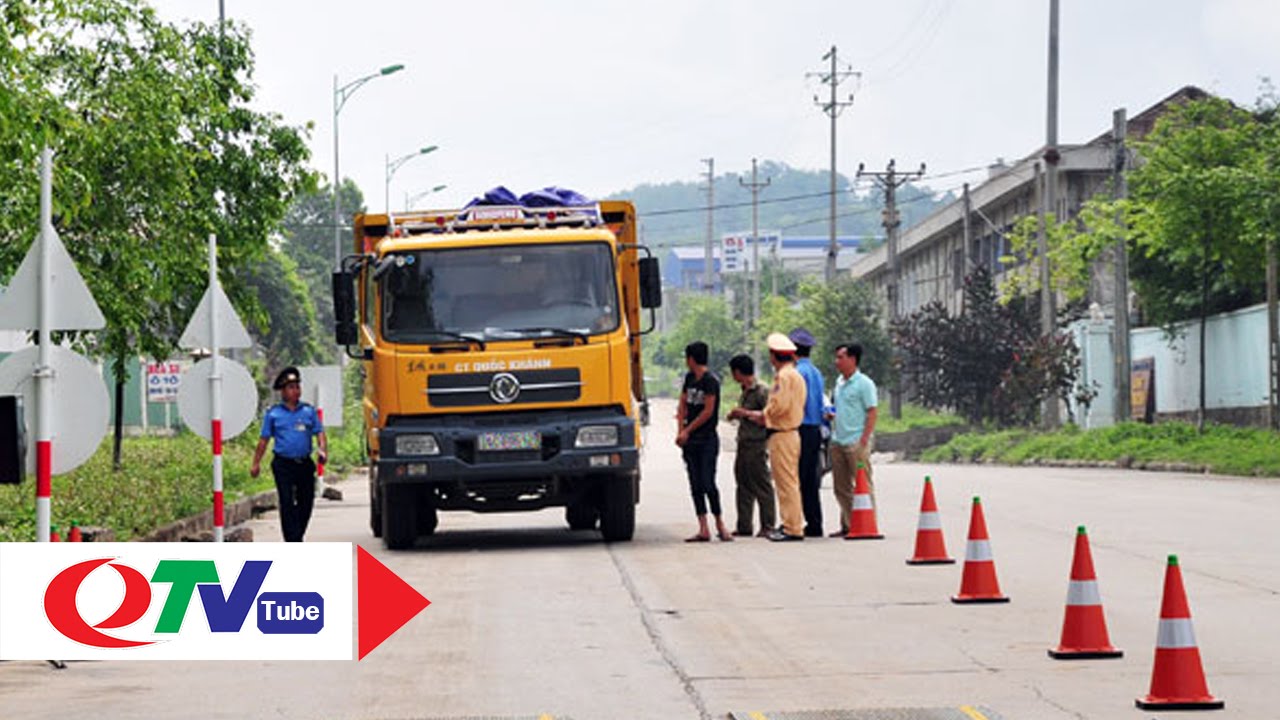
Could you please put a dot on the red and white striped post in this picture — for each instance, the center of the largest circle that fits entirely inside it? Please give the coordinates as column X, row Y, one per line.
column 215, row 395
column 44, row 373
column 319, row 465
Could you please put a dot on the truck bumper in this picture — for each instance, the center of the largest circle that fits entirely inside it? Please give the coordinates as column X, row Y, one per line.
column 464, row 475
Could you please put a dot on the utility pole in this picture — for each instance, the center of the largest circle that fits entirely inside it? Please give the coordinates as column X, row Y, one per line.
column 1048, row 313
column 1120, row 190
column 1273, row 337
column 755, row 186
column 708, row 280
column 890, row 180
column 966, row 252
column 833, row 108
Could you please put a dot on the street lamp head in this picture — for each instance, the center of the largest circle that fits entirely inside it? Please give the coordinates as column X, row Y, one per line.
column 427, row 149
column 391, row 69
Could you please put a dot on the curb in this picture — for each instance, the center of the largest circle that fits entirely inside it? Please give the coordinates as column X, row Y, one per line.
column 200, row 526
column 1150, row 466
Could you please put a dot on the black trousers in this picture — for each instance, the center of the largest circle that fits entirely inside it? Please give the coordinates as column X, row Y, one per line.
column 810, row 479
column 296, row 489
column 700, row 461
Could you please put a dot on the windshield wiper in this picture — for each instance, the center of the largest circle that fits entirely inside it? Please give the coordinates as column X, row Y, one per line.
column 553, row 331
column 458, row 336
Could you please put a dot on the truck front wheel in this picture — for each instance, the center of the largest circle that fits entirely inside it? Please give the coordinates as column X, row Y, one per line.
column 618, row 509
column 582, row 515
column 399, row 516
column 375, row 503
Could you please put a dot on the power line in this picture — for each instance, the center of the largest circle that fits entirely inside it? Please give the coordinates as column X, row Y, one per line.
column 867, row 211
column 808, row 196
column 727, row 206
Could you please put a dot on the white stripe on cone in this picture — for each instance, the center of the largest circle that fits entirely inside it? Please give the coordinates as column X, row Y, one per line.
column 978, row 551
column 1083, row 592
column 861, row 502
column 930, row 521
column 1175, row 633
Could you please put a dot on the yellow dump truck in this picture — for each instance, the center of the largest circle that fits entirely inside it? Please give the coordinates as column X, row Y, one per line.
column 501, row 355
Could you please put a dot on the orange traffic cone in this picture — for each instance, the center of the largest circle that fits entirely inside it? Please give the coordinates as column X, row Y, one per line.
column 1177, row 681
column 1084, row 628
column 978, row 584
column 53, row 534
column 862, row 520
column 931, row 548
column 74, row 534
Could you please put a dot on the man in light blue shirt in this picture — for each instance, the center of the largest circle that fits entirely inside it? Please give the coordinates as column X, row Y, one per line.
column 851, row 434
column 810, row 433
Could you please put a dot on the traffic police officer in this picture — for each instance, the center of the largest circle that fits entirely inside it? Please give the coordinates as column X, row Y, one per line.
column 292, row 423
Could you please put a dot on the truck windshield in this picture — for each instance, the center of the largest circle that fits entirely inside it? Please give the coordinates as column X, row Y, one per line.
column 499, row 293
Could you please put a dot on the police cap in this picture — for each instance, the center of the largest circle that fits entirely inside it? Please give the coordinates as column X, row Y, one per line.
column 802, row 337
column 286, row 376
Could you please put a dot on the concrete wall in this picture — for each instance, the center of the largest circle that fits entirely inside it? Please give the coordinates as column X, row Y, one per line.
column 1235, row 360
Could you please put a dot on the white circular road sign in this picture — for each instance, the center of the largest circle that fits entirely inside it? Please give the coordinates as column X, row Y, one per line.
column 239, row 398
column 80, row 406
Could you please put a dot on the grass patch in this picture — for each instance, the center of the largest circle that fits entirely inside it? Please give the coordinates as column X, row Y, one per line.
column 914, row 417
column 162, row 479
column 1224, row 449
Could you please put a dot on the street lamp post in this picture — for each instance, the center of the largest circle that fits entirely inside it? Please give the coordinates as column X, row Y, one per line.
column 409, row 200
column 394, row 165
column 340, row 97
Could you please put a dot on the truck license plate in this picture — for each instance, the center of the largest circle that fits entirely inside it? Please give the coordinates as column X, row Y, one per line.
column 520, row 440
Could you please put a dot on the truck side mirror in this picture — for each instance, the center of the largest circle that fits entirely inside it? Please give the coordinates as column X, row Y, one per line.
column 344, row 308
column 650, row 283
column 13, row 440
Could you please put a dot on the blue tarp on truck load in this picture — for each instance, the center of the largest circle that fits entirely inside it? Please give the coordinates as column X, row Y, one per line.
column 550, row 196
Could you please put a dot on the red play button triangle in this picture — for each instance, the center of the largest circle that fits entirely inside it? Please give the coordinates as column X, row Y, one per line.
column 384, row 602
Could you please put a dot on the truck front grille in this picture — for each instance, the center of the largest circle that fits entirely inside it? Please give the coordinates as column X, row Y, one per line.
column 483, row 389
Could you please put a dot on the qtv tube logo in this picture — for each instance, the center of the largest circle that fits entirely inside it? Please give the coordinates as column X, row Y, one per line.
column 139, row 601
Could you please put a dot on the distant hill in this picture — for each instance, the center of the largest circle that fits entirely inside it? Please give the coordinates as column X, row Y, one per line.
column 796, row 203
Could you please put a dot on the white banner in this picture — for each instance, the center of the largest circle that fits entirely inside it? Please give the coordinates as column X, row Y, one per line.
column 176, row 601
column 163, row 380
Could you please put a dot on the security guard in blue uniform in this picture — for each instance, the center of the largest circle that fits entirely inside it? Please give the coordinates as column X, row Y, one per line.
column 291, row 424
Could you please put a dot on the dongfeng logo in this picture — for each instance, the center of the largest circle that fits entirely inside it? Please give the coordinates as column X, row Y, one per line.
column 504, row 388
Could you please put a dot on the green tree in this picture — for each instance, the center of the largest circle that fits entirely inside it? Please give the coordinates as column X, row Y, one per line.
column 1204, row 204
column 705, row 318
column 843, row 312
column 1194, row 205
column 1074, row 246
column 308, row 241
column 288, row 332
column 156, row 147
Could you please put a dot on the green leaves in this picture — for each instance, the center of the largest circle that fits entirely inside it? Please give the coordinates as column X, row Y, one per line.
column 705, row 318
column 1200, row 209
column 155, row 149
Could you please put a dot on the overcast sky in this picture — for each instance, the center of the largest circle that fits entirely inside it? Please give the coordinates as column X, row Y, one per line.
column 601, row 96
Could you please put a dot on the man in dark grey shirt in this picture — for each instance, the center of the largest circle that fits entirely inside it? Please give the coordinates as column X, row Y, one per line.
column 751, row 466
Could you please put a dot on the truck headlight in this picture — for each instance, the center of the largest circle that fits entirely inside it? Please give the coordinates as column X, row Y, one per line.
column 423, row 444
column 593, row 436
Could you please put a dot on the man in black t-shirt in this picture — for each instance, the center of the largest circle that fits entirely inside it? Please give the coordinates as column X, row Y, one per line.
column 697, row 417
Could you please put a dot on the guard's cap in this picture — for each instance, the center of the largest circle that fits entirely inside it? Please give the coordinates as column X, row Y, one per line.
column 803, row 337
column 780, row 343
column 286, row 376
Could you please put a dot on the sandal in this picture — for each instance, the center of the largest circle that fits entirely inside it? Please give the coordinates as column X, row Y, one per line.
column 726, row 537
column 698, row 538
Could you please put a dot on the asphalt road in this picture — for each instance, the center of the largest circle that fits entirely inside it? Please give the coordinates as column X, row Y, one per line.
column 529, row 619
